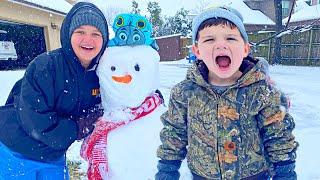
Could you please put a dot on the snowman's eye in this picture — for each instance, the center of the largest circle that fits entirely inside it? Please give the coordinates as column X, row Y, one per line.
column 137, row 67
column 113, row 68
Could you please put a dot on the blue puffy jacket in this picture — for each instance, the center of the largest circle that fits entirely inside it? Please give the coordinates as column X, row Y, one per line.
column 39, row 119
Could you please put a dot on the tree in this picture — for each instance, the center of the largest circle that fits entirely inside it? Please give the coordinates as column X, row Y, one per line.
column 135, row 7
column 155, row 16
column 201, row 5
column 167, row 29
column 179, row 23
column 277, row 46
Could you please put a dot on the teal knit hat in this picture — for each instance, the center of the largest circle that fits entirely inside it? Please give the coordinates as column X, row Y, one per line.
column 224, row 12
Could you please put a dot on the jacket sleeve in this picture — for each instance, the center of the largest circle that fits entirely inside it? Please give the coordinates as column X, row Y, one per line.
column 14, row 93
column 36, row 108
column 174, row 133
column 276, row 130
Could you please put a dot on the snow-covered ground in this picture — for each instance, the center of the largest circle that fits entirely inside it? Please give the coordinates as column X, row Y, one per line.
column 302, row 84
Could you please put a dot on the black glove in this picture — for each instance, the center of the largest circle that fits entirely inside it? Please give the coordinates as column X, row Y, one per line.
column 168, row 170
column 160, row 95
column 86, row 122
column 285, row 101
column 285, row 172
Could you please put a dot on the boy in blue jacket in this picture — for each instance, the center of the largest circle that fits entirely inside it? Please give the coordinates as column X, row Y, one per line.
column 54, row 103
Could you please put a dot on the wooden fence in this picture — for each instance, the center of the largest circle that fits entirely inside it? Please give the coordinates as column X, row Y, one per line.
column 299, row 48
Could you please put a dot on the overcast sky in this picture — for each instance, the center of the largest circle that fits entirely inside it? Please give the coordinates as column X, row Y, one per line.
column 169, row 7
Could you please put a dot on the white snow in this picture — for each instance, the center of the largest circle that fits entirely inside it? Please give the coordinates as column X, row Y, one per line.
column 132, row 148
column 300, row 4
column 168, row 36
column 127, row 75
column 304, row 14
column 140, row 63
column 302, row 84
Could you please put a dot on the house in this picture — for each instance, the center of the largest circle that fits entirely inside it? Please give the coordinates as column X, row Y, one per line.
column 267, row 7
column 254, row 20
column 43, row 14
column 33, row 25
column 305, row 16
column 298, row 17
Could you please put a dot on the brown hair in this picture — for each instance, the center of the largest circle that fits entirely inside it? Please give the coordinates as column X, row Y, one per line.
column 214, row 22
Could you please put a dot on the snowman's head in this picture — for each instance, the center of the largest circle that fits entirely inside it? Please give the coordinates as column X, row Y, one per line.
column 127, row 75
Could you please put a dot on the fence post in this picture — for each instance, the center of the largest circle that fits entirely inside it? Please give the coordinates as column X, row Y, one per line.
column 310, row 47
column 269, row 52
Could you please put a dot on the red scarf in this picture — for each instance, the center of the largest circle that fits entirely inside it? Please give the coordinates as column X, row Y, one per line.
column 94, row 147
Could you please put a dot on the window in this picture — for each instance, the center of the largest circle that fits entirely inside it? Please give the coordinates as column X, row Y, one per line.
column 285, row 8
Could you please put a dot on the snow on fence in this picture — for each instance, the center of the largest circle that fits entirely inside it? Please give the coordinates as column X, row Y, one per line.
column 298, row 48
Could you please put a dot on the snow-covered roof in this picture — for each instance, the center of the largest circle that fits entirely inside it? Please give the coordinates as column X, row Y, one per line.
column 300, row 4
column 59, row 6
column 250, row 17
column 172, row 35
column 307, row 13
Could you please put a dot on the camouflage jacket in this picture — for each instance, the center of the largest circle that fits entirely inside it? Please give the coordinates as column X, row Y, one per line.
column 233, row 135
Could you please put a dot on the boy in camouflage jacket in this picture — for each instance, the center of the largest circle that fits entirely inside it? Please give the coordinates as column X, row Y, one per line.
column 225, row 117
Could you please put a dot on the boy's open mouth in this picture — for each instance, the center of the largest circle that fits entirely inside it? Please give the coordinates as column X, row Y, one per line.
column 86, row 47
column 223, row 61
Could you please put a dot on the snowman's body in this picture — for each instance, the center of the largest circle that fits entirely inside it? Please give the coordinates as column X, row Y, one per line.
column 132, row 148
column 127, row 75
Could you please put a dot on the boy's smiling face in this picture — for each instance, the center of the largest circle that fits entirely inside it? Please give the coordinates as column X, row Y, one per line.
column 222, row 49
column 86, row 42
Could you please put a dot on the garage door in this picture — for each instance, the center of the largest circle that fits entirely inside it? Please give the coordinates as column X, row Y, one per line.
column 29, row 41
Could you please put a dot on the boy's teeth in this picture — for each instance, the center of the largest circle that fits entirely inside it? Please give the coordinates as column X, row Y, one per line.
column 87, row 47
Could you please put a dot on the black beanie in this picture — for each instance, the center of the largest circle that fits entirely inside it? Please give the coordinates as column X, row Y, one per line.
column 87, row 16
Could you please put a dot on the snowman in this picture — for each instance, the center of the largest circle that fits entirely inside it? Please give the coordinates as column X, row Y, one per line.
column 124, row 142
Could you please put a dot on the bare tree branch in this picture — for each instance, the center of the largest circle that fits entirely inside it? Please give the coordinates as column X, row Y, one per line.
column 287, row 30
column 291, row 10
column 294, row 29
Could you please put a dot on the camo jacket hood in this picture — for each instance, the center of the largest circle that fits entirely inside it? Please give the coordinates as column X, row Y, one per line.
column 233, row 135
column 198, row 73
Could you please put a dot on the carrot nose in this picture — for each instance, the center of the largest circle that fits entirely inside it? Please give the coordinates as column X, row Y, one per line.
column 122, row 79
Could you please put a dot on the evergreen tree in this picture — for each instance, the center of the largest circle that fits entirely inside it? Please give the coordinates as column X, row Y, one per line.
column 167, row 28
column 181, row 22
column 155, row 17
column 135, row 7
column 176, row 24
